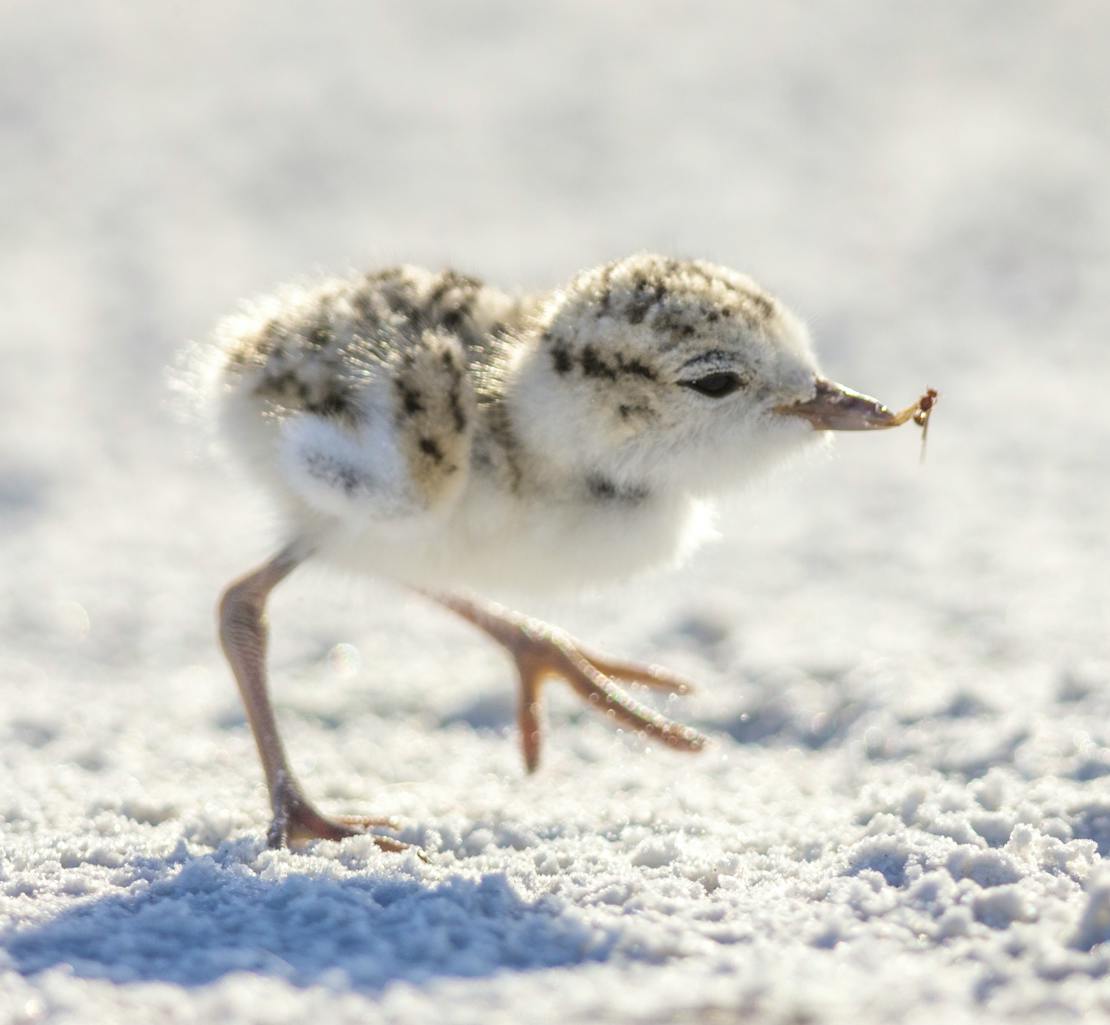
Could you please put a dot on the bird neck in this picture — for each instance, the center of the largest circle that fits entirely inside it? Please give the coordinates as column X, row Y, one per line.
column 558, row 442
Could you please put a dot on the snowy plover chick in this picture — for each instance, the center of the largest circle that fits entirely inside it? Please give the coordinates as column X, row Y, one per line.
column 431, row 429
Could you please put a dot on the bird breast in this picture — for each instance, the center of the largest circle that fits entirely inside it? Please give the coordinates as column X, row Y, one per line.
column 492, row 542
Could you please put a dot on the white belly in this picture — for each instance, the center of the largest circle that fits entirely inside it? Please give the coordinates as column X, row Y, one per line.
column 492, row 541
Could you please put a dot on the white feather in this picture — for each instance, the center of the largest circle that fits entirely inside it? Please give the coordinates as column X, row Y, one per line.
column 352, row 475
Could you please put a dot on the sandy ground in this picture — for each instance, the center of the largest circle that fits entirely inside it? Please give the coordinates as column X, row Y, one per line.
column 905, row 670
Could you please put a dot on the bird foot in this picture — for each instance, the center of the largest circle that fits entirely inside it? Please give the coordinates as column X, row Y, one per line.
column 541, row 651
column 296, row 822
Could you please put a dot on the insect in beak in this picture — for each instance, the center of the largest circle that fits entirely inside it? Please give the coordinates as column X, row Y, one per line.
column 836, row 408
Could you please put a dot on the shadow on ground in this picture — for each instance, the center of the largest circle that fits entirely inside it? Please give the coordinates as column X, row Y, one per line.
column 210, row 919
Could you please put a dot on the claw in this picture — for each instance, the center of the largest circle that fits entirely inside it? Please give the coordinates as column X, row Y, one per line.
column 541, row 652
column 296, row 822
column 653, row 676
column 590, row 683
column 560, row 657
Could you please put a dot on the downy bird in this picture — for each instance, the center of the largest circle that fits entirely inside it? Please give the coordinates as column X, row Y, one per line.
column 439, row 432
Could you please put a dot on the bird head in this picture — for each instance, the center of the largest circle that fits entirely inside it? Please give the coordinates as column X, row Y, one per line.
column 660, row 372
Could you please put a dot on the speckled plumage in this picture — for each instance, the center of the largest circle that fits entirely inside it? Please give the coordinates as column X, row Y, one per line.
column 545, row 430
column 438, row 339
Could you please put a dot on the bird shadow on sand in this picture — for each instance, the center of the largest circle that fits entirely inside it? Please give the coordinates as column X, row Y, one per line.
column 212, row 917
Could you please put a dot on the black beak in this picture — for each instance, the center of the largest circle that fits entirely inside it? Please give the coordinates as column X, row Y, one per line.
column 836, row 408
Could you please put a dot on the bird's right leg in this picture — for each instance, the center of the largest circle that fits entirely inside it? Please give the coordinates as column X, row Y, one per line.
column 243, row 634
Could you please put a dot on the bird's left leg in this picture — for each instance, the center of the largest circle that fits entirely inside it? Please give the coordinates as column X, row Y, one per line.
column 541, row 651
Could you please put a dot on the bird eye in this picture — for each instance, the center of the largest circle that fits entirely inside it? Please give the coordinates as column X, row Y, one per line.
column 717, row 385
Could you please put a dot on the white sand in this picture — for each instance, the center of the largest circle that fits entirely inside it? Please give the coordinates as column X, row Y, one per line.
column 906, row 670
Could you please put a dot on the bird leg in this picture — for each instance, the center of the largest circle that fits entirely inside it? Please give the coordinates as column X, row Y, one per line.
column 541, row 651
column 243, row 634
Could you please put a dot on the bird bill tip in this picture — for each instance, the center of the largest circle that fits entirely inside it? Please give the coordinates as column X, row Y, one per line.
column 837, row 408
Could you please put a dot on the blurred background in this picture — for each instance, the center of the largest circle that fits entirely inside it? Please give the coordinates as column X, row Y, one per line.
column 879, row 641
column 925, row 183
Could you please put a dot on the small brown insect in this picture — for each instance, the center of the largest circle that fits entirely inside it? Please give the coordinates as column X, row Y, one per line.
column 919, row 413
column 924, row 406
column 921, row 417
